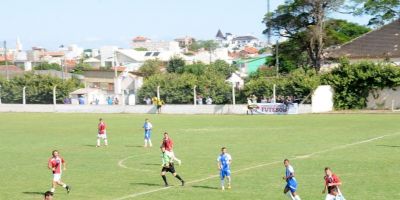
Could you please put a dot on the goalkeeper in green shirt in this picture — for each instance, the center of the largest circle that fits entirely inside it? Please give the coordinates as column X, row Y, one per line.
column 168, row 166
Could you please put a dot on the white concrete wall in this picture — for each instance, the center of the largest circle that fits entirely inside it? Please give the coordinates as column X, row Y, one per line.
column 382, row 99
column 139, row 109
column 322, row 99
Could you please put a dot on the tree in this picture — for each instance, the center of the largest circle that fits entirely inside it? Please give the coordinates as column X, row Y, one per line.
column 197, row 69
column 150, row 68
column 208, row 45
column 382, row 11
column 293, row 52
column 80, row 67
column 175, row 65
column 299, row 83
column 339, row 31
column 223, row 68
column 48, row 66
column 178, row 88
column 140, row 49
column 39, row 89
column 306, row 16
column 195, row 46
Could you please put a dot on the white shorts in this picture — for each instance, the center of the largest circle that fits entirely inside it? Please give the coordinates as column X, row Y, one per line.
column 102, row 136
column 56, row 177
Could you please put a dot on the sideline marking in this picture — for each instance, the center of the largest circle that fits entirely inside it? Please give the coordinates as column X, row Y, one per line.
column 261, row 165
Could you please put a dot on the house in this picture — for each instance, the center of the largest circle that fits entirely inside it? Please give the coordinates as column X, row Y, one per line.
column 381, row 44
column 207, row 57
column 107, row 56
column 88, row 96
column 233, row 42
column 236, row 81
column 9, row 57
column 93, row 62
column 185, row 42
column 140, row 39
column 247, row 40
column 10, row 70
column 58, row 74
column 147, row 44
column 124, row 86
column 89, row 53
column 133, row 60
column 21, row 60
column 250, row 65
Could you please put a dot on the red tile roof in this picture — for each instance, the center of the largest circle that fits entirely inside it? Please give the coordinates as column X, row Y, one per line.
column 251, row 50
column 54, row 53
column 119, row 68
column 139, row 39
column 70, row 63
column 9, row 57
column 380, row 43
column 11, row 68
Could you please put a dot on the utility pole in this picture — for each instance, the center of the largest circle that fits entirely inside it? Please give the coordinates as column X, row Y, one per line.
column 269, row 28
column 277, row 57
column 5, row 59
column 62, row 69
column 115, row 64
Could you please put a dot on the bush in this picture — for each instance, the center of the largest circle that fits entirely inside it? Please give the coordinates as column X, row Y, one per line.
column 39, row 89
column 178, row 88
column 299, row 83
column 353, row 82
column 47, row 66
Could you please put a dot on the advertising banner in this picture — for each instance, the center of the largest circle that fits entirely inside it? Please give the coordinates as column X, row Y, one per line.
column 273, row 108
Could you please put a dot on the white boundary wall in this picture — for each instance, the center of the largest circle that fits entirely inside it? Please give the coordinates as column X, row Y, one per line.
column 139, row 109
column 322, row 99
column 386, row 98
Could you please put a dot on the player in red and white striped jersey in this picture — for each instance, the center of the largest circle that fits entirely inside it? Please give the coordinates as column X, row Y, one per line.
column 102, row 133
column 57, row 164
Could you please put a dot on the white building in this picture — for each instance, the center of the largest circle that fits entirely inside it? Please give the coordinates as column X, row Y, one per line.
column 233, row 42
column 133, row 60
column 102, row 85
column 207, row 57
column 107, row 54
column 236, row 81
column 73, row 52
column 142, row 42
column 94, row 62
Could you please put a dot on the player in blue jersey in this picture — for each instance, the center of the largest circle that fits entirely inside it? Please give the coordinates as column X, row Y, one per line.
column 147, row 126
column 224, row 165
column 291, row 183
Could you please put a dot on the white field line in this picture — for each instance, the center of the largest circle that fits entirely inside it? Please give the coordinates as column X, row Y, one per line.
column 121, row 163
column 260, row 165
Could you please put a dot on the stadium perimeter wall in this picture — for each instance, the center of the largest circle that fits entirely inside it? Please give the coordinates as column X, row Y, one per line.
column 138, row 109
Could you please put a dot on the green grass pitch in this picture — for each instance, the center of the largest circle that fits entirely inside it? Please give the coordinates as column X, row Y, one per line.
column 363, row 150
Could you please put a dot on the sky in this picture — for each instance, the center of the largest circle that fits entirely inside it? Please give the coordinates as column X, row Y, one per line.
column 96, row 23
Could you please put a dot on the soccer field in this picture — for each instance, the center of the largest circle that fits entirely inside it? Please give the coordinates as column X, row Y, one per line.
column 363, row 150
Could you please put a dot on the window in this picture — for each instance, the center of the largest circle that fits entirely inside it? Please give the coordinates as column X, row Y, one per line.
column 147, row 54
column 156, row 53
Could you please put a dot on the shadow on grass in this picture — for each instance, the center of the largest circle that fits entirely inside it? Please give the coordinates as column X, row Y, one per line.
column 89, row 145
column 136, row 146
column 205, row 187
column 146, row 184
column 151, row 164
column 34, row 193
column 384, row 145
